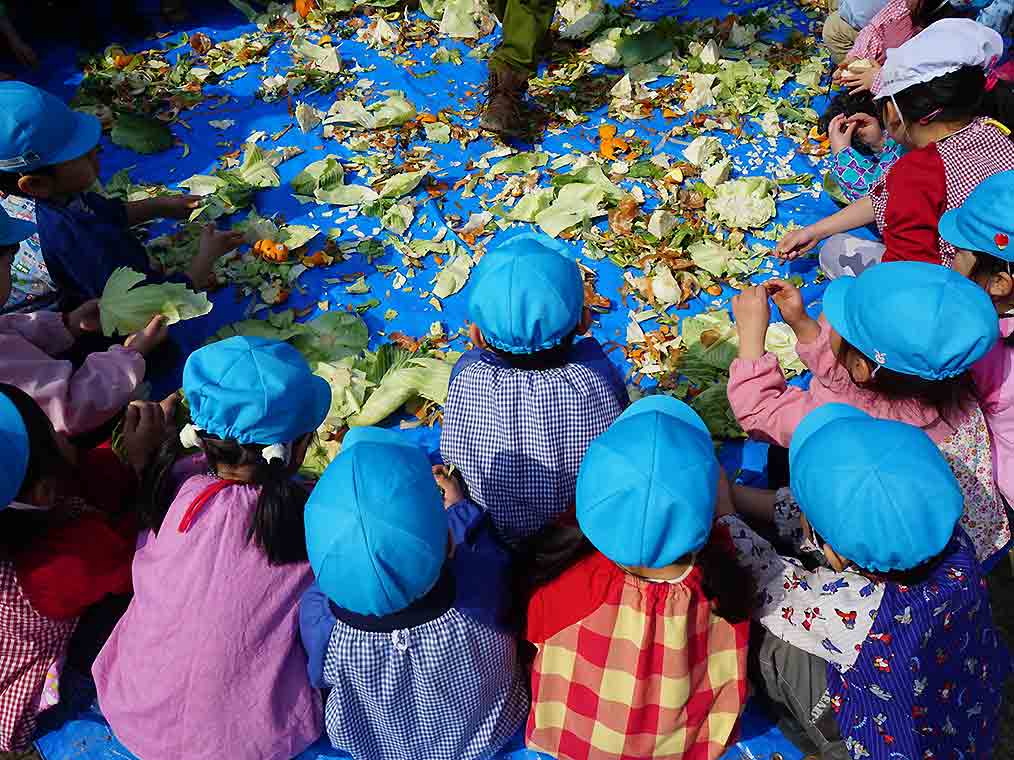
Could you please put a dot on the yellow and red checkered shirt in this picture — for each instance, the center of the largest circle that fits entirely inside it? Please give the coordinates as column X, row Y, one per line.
column 629, row 669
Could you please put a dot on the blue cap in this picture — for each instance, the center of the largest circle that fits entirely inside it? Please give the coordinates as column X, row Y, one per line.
column 13, row 231
column 647, row 486
column 879, row 492
column 254, row 390
column 982, row 223
column 16, row 451
column 376, row 530
column 527, row 294
column 38, row 129
column 915, row 318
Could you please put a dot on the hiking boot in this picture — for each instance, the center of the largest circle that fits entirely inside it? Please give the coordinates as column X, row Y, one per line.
column 504, row 112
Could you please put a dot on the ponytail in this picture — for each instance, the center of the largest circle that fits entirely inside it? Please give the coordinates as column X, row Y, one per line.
column 957, row 96
column 276, row 525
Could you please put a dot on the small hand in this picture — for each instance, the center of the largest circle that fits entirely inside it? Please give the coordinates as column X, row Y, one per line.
column 797, row 242
column 862, row 81
column 214, row 244
column 145, row 429
column 840, row 132
column 752, row 313
column 85, row 318
column 178, row 206
column 450, row 484
column 868, row 130
column 150, row 337
column 788, row 299
column 724, row 505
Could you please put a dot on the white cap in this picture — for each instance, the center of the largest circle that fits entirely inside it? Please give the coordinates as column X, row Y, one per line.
column 939, row 49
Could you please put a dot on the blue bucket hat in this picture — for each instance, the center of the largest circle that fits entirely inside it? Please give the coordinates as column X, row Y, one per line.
column 254, row 391
column 527, row 294
column 14, row 231
column 646, row 488
column 878, row 491
column 914, row 318
column 16, row 451
column 982, row 223
column 38, row 129
column 376, row 530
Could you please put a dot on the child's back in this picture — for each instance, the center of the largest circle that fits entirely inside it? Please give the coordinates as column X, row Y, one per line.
column 525, row 403
column 206, row 662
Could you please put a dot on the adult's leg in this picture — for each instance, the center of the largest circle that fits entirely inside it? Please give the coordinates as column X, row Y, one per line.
column 845, row 255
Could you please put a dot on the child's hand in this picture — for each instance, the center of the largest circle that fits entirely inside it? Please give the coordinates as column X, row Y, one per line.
column 85, row 318
column 178, row 206
column 150, row 338
column 752, row 313
column 839, row 132
column 450, row 484
column 145, row 429
column 860, row 81
column 788, row 299
column 798, row 242
column 868, row 130
column 215, row 243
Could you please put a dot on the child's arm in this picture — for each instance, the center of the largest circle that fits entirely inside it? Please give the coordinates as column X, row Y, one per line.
column 165, row 206
column 47, row 330
column 316, row 623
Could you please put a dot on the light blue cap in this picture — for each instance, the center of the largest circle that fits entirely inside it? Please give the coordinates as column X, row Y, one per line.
column 983, row 222
column 254, row 391
column 38, row 129
column 879, row 492
column 376, row 530
column 16, row 451
column 646, row 488
column 914, row 318
column 13, row 231
column 527, row 294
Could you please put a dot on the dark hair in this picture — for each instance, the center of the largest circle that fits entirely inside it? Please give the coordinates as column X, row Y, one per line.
column 549, row 358
column 930, row 11
column 19, row 529
column 551, row 552
column 956, row 96
column 948, row 397
column 986, row 266
column 9, row 180
column 849, row 104
column 276, row 525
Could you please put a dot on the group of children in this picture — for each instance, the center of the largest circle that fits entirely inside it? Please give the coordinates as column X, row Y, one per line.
column 578, row 567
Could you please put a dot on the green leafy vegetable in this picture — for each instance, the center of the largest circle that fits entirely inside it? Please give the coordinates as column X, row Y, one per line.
column 141, row 134
column 126, row 309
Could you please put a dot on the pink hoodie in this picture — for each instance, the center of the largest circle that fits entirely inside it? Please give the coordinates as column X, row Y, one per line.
column 768, row 409
column 74, row 401
column 994, row 380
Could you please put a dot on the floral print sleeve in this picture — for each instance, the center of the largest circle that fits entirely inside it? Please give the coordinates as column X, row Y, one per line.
column 857, row 173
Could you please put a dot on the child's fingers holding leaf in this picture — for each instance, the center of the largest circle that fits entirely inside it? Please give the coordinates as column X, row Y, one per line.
column 787, row 298
column 178, row 206
column 153, row 335
column 449, row 483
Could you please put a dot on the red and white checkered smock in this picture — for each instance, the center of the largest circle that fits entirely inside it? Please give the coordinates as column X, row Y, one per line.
column 627, row 668
column 30, row 644
column 909, row 201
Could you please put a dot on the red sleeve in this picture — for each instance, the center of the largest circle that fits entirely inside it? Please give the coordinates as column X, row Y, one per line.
column 917, row 198
column 570, row 598
column 78, row 564
column 106, row 482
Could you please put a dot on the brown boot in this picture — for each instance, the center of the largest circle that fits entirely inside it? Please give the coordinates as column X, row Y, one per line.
column 505, row 112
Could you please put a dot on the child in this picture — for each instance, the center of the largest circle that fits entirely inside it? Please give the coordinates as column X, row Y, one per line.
column 206, row 662
column 938, row 102
column 640, row 619
column 524, row 404
column 896, row 342
column 405, row 623
column 48, row 155
column 860, row 151
column 66, row 542
column 887, row 649
column 980, row 230
column 76, row 401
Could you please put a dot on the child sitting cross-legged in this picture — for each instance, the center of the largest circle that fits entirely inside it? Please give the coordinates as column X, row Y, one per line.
column 887, row 648
column 206, row 662
column 524, row 404
column 639, row 615
column 67, row 538
column 896, row 342
column 407, row 621
column 48, row 165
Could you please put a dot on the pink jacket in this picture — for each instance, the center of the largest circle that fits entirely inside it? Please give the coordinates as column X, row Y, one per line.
column 75, row 401
column 770, row 410
column 994, row 380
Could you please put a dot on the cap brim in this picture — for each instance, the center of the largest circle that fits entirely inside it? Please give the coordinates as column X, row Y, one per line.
column 16, row 451
column 322, row 401
column 818, row 419
column 836, row 306
column 87, row 133
column 668, row 406
column 950, row 231
column 17, row 230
